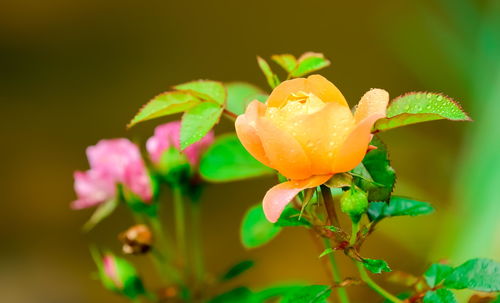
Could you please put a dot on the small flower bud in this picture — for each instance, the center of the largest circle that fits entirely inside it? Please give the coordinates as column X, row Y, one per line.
column 354, row 202
column 120, row 276
column 136, row 240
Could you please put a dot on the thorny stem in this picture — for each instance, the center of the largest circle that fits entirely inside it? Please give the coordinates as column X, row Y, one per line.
column 337, row 278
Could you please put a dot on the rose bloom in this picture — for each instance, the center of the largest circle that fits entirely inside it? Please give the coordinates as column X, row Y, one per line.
column 307, row 132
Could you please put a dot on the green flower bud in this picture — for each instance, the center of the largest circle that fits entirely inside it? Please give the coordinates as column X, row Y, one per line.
column 120, row 276
column 354, row 202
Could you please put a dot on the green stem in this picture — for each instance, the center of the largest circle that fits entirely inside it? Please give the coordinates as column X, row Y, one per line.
column 330, row 206
column 354, row 233
column 368, row 280
column 197, row 249
column 337, row 278
column 180, row 224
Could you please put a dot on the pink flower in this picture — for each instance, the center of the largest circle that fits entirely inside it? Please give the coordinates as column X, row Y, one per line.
column 93, row 187
column 111, row 271
column 168, row 135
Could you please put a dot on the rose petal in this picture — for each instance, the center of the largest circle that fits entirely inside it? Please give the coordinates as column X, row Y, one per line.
column 373, row 102
column 325, row 90
column 281, row 93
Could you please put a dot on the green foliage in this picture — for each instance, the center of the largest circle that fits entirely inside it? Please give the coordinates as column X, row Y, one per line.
column 476, row 274
column 436, row 274
column 237, row 270
column 286, row 61
column 398, row 206
column 102, row 212
column 132, row 284
column 198, row 121
column 272, row 78
column 419, row 107
column 238, row 294
column 376, row 266
column 441, row 295
column 308, row 63
column 240, row 94
column 205, row 89
column 255, row 229
column 165, row 104
column 227, row 160
column 291, row 217
column 308, row 294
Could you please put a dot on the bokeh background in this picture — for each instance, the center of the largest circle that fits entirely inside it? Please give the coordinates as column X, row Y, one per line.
column 73, row 72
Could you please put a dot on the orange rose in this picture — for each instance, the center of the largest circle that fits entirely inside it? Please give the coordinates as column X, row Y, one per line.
column 307, row 132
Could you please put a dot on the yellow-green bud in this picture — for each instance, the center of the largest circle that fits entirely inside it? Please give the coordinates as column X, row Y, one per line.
column 354, row 202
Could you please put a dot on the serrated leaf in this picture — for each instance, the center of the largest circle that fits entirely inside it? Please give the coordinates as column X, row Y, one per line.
column 240, row 94
column 256, row 230
column 437, row 273
column 227, row 160
column 327, row 251
column 237, row 270
column 101, row 213
column 272, row 78
column 398, row 206
column 291, row 217
column 198, row 121
column 205, row 89
column 476, row 274
column 441, row 295
column 308, row 294
column 286, row 61
column 308, row 63
column 419, row 107
column 376, row 266
column 163, row 105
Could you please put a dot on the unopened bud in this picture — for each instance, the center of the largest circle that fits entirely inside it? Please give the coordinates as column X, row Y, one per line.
column 120, row 276
column 136, row 240
column 354, row 202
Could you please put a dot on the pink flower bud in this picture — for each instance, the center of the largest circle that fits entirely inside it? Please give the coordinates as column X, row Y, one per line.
column 93, row 187
column 111, row 270
column 168, row 135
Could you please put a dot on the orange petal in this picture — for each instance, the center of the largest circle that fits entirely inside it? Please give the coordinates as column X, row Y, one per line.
column 250, row 140
column 373, row 102
column 281, row 93
column 283, row 151
column 280, row 195
column 325, row 90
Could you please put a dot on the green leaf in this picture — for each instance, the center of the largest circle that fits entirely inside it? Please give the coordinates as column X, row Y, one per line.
column 308, row 63
column 240, row 94
column 398, row 206
column 227, row 160
column 237, row 269
column 339, row 180
column 376, row 266
column 286, row 61
column 275, row 291
column 291, row 217
column 441, row 295
column 205, row 89
column 165, row 104
column 132, row 284
column 255, row 229
column 327, row 251
column 272, row 78
column 238, row 294
column 308, row 294
column 437, row 273
column 475, row 274
column 419, row 107
column 198, row 121
column 101, row 213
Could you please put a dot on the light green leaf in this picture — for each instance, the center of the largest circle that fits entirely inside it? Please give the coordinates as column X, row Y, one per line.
column 398, row 206
column 198, row 121
column 286, row 61
column 291, row 217
column 163, row 105
column 475, row 274
column 327, row 251
column 205, row 89
column 272, row 78
column 227, row 160
column 240, row 94
column 308, row 63
column 255, row 229
column 274, row 291
column 376, row 266
column 419, row 107
column 237, row 269
column 308, row 294
column 441, row 295
column 102, row 212
column 437, row 273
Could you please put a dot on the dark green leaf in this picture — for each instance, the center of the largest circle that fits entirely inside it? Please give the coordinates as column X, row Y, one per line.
column 291, row 217
column 419, row 107
column 437, row 273
column 376, row 266
column 398, row 206
column 237, row 269
column 239, row 294
column 227, row 160
column 308, row 63
column 163, row 105
column 287, row 61
column 475, row 274
column 102, row 212
column 240, row 94
column 205, row 89
column 256, row 230
column 272, row 78
column 308, row 294
column 441, row 295
column 198, row 121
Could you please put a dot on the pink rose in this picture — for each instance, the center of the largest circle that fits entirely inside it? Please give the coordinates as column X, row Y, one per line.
column 93, row 187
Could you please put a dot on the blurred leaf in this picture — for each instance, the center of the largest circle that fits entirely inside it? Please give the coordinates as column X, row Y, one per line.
column 101, row 213
column 476, row 274
column 327, row 251
column 437, row 273
column 379, row 167
column 275, row 291
column 419, row 107
column 198, row 121
column 237, row 269
column 332, row 228
column 308, row 63
column 339, row 180
column 272, row 78
column 205, row 89
column 376, row 266
column 482, row 298
column 165, row 104
column 398, row 206
column 240, row 94
column 308, row 294
column 255, row 229
column 238, row 294
column 291, row 217
column 287, row 61
column 227, row 160
column 441, row 295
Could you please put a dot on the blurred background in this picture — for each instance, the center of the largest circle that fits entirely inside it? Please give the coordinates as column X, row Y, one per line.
column 73, row 72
